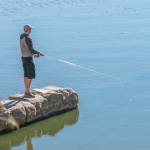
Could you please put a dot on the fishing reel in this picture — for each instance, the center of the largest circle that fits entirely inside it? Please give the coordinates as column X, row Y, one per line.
column 36, row 55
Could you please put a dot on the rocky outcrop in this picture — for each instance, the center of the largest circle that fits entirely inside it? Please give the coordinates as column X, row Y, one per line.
column 48, row 101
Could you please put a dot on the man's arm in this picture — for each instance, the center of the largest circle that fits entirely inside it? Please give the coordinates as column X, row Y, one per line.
column 30, row 45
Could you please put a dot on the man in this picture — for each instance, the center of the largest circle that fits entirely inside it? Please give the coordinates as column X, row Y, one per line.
column 28, row 52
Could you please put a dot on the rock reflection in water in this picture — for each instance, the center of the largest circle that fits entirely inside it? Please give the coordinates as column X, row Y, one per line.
column 50, row 126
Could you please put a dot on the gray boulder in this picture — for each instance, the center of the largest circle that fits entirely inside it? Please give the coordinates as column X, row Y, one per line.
column 48, row 101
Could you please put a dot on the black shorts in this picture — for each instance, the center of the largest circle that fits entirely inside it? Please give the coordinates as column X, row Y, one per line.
column 29, row 67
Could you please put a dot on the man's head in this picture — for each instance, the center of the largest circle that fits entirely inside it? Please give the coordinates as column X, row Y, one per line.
column 27, row 29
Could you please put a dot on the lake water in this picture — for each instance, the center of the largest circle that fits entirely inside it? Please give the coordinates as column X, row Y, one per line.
column 111, row 37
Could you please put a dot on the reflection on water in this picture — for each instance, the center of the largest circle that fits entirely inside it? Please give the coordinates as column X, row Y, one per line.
column 29, row 145
column 49, row 127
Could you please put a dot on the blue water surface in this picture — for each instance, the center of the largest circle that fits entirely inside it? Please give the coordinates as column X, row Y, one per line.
column 111, row 37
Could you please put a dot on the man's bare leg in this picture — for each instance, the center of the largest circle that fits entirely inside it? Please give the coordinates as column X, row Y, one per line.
column 27, row 83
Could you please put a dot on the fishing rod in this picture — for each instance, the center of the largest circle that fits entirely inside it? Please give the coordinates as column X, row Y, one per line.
column 89, row 70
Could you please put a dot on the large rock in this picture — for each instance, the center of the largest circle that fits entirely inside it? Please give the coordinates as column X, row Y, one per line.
column 48, row 101
column 12, row 109
column 36, row 108
column 18, row 111
column 59, row 98
column 4, row 115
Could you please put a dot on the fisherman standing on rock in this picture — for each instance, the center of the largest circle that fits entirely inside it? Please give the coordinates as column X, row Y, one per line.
column 28, row 52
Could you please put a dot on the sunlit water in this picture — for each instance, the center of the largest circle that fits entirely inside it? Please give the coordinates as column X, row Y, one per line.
column 111, row 37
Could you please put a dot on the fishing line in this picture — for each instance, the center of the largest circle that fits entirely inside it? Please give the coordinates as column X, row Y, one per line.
column 41, row 72
column 90, row 70
column 36, row 73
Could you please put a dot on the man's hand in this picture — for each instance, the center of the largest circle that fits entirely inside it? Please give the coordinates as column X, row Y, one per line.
column 41, row 54
column 35, row 55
